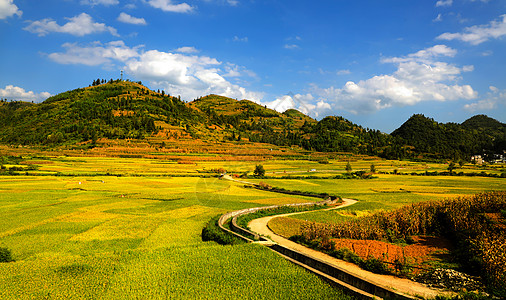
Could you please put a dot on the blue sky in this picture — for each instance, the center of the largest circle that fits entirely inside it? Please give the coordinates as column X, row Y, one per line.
column 374, row 62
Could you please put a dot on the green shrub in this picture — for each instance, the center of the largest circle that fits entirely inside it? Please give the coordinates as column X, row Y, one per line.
column 375, row 265
column 346, row 255
column 212, row 232
column 5, row 255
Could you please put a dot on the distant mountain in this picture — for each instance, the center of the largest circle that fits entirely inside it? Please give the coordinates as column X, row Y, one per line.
column 128, row 110
column 484, row 123
column 477, row 135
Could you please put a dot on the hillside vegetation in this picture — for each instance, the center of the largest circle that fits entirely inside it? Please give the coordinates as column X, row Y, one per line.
column 119, row 110
column 475, row 135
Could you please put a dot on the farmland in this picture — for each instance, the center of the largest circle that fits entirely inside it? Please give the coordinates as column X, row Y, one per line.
column 109, row 227
column 109, row 237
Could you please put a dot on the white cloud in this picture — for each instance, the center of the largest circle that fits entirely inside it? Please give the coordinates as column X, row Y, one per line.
column 439, row 18
column 425, row 55
column 99, row 2
column 79, row 25
column 419, row 77
column 126, row 18
column 229, row 2
column 95, row 54
column 167, row 5
column 303, row 103
column 190, row 76
column 343, row 72
column 11, row 92
column 233, row 70
column 291, row 46
column 494, row 98
column 238, row 39
column 8, row 9
column 479, row 33
column 282, row 104
column 187, row 50
column 444, row 3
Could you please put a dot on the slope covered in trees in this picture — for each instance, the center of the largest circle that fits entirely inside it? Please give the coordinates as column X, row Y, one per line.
column 124, row 109
column 112, row 110
column 479, row 134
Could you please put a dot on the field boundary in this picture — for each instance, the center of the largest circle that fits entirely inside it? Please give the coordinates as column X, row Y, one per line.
column 248, row 235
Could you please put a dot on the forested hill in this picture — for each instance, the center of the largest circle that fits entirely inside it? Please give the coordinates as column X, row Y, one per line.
column 477, row 135
column 128, row 110
column 114, row 110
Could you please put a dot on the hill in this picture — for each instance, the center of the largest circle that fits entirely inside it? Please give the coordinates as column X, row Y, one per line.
column 477, row 135
column 115, row 110
column 247, row 119
column 124, row 110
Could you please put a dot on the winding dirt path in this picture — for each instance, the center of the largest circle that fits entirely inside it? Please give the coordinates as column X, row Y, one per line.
column 402, row 285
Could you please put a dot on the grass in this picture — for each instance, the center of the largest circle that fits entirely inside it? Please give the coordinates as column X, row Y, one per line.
column 135, row 237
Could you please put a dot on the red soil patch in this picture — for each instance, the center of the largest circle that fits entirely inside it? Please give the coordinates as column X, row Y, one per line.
column 418, row 254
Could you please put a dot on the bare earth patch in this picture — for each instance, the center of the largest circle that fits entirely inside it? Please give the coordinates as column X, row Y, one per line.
column 425, row 250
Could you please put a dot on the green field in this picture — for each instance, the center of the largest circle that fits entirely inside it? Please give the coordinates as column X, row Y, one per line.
column 89, row 234
column 135, row 237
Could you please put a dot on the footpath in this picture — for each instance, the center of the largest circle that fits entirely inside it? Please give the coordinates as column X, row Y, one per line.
column 401, row 285
column 361, row 283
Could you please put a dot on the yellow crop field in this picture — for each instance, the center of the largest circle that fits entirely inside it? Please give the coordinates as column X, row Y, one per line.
column 130, row 228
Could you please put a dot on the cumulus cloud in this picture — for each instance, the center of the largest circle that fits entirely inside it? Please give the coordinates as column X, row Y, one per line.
column 126, row 18
column 190, row 76
column 79, row 25
column 419, row 77
column 99, row 2
column 95, row 54
column 479, row 33
column 8, row 9
column 188, row 50
column 304, row 103
column 11, row 92
column 495, row 97
column 444, row 3
column 167, row 5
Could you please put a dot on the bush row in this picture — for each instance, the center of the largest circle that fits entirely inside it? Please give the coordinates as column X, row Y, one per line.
column 212, row 232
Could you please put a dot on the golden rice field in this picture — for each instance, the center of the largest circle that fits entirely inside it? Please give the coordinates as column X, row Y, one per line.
column 135, row 237
column 126, row 228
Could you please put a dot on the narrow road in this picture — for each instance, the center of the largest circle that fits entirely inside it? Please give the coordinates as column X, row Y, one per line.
column 402, row 285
